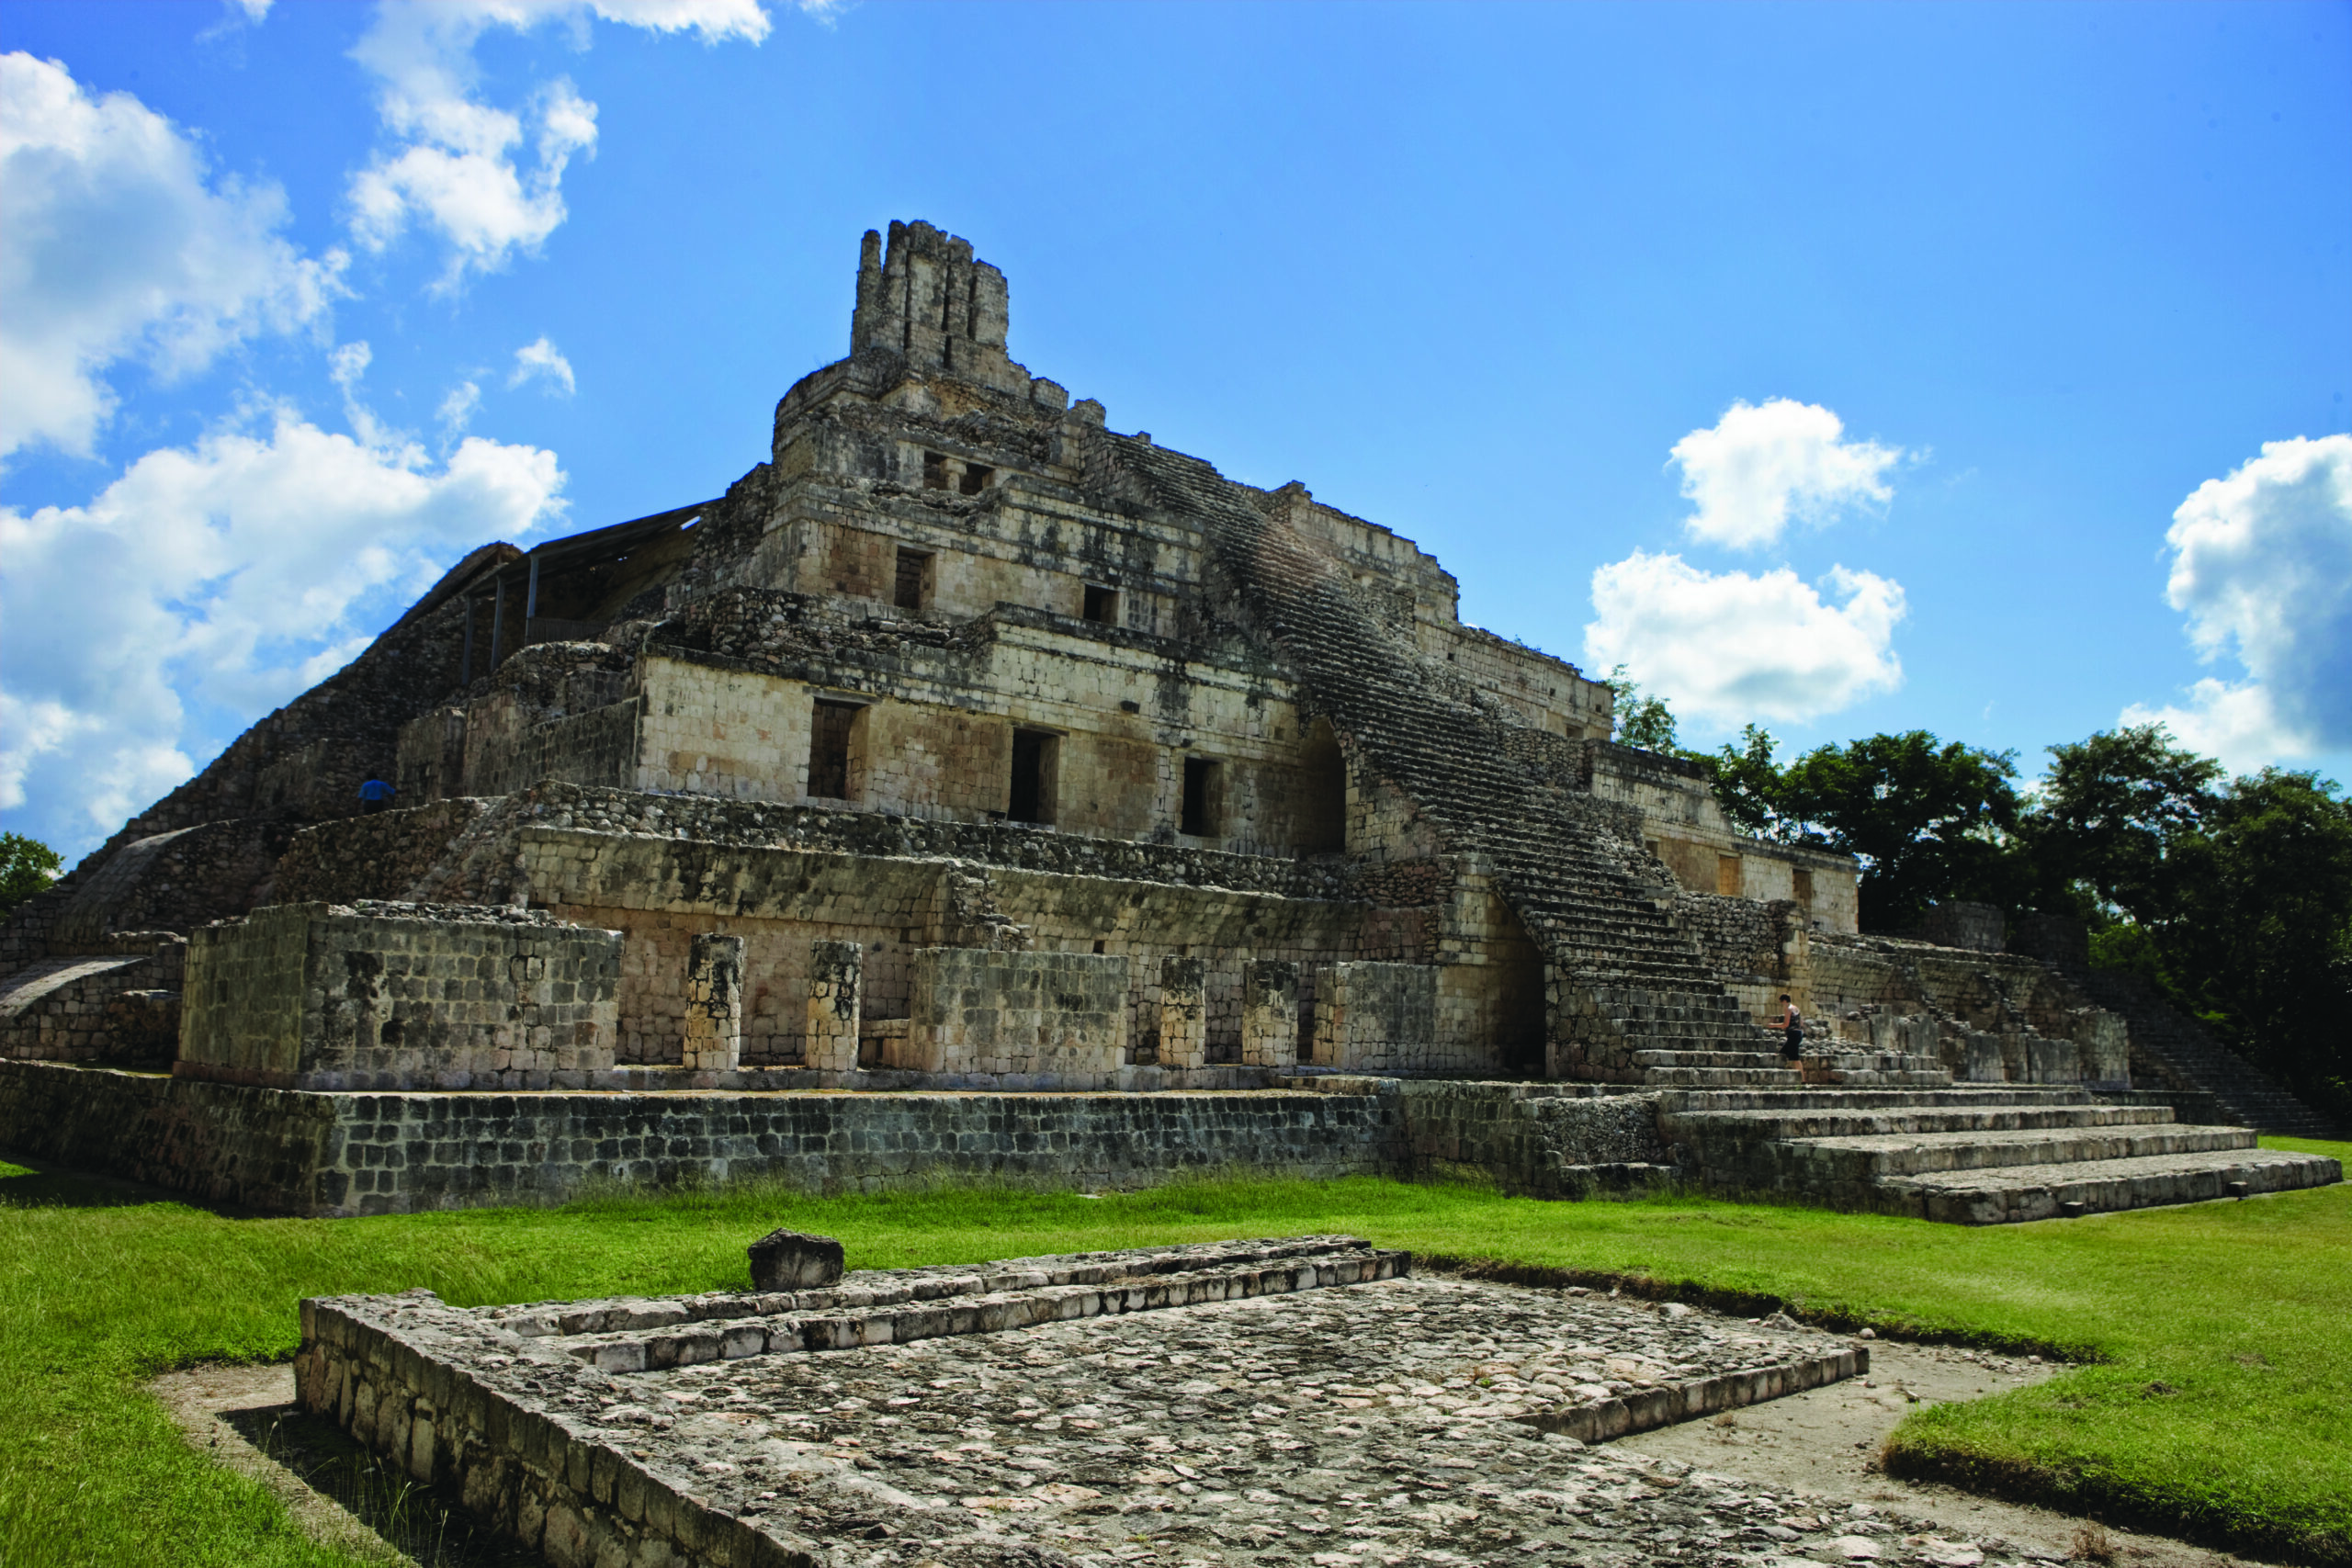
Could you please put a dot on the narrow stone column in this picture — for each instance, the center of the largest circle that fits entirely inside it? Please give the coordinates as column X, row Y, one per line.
column 1269, row 1014
column 715, row 1004
column 836, row 979
column 1183, row 1014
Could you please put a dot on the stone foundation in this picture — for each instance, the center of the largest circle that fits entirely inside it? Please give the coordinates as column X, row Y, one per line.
column 328, row 1153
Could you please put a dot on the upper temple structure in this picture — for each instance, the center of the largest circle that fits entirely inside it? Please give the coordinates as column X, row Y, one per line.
column 968, row 743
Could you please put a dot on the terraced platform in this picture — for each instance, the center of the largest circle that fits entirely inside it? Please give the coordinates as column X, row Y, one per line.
column 1969, row 1156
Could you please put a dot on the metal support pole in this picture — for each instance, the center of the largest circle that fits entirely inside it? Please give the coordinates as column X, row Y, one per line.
column 531, row 597
column 497, row 615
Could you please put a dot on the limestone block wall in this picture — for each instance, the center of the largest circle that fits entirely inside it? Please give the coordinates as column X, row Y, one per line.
column 1996, row 1017
column 1029, row 1014
column 1382, row 1018
column 173, row 880
column 1685, row 828
column 320, row 996
column 713, row 730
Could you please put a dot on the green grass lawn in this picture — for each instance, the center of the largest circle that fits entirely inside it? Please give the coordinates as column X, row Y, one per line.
column 2217, row 1400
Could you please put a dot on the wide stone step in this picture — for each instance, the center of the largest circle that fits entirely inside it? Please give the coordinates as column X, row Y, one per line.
column 1878, row 1156
column 1721, row 1078
column 1700, row 1103
column 1905, row 1120
column 1706, row 1058
column 1877, row 1078
column 2048, row 1191
column 1880, row 1062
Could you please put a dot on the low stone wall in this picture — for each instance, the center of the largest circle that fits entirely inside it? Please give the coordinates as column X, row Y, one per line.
column 308, row 1153
column 271, row 1150
column 324, row 1154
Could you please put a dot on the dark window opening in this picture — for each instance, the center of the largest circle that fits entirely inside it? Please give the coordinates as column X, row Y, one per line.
column 976, row 478
column 1804, row 888
column 1197, row 813
column 907, row 592
column 935, row 471
column 1101, row 605
column 1033, row 776
column 829, row 749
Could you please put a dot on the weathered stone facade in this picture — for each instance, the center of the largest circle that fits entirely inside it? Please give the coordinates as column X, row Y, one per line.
column 316, row 995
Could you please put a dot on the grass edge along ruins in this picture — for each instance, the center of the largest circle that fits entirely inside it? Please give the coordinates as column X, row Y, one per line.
column 966, row 744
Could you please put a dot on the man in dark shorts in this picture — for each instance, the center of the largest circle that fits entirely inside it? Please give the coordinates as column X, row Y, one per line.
column 374, row 796
column 1792, row 1021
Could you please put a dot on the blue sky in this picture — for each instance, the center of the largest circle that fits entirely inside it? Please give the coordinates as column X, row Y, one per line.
column 1843, row 369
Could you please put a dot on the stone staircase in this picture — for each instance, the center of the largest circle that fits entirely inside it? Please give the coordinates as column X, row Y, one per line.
column 1971, row 1155
column 2174, row 1048
column 1631, row 1000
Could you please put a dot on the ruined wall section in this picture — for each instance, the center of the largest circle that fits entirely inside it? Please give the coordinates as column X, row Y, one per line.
column 786, row 904
column 1685, row 828
column 1405, row 588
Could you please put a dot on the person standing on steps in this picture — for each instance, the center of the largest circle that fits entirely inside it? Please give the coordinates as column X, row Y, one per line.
column 1792, row 1021
column 374, row 796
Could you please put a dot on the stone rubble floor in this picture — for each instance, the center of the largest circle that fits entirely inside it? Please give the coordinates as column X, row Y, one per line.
column 1357, row 1424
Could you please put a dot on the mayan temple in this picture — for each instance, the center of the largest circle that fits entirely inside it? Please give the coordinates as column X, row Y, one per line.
column 966, row 744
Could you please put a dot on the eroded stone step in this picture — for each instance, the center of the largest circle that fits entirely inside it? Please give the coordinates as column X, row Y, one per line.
column 1828, row 1098
column 1900, row 1121
column 1871, row 1077
column 1720, row 1078
column 1872, row 1157
column 1706, row 1059
column 2048, row 1191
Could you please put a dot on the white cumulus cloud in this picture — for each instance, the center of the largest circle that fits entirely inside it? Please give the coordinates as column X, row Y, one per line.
column 1764, row 465
column 489, row 179
column 115, row 240
column 541, row 361
column 210, row 583
column 1729, row 648
column 2262, row 565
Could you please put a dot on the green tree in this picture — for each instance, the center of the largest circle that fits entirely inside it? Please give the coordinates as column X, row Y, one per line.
column 1929, row 821
column 2099, row 832
column 1748, row 784
column 1639, row 719
column 27, row 865
column 2258, row 938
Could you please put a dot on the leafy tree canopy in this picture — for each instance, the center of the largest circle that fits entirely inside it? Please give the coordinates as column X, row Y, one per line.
column 1640, row 719
column 27, row 865
column 2100, row 827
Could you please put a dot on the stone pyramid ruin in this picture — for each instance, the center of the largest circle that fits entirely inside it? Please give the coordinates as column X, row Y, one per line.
column 965, row 743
